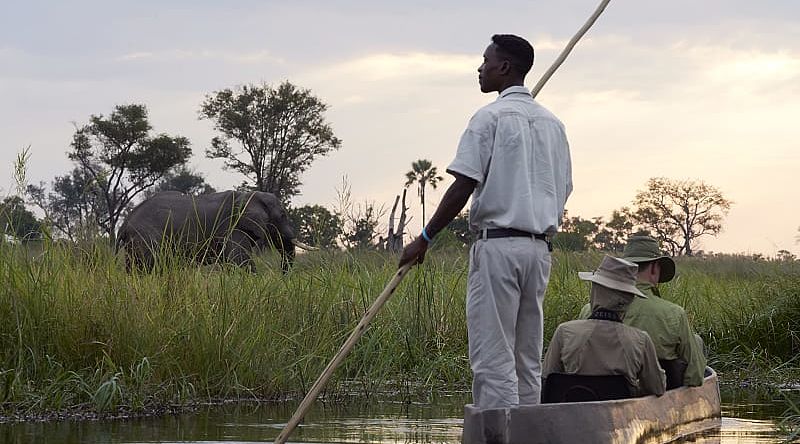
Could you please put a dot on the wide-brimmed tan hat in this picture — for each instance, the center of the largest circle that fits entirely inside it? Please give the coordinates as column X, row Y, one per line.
column 643, row 249
column 614, row 273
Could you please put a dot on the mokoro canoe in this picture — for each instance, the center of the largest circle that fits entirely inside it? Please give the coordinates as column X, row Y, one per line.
column 680, row 412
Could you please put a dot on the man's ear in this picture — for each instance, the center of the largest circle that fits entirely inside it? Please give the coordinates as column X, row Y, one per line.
column 505, row 67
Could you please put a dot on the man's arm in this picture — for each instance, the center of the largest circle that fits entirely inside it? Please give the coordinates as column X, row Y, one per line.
column 690, row 352
column 452, row 203
column 652, row 380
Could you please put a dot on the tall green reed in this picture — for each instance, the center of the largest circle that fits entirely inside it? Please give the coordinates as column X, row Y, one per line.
column 78, row 331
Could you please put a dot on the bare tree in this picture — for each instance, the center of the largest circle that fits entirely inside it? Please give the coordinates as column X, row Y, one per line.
column 360, row 222
column 394, row 239
column 679, row 211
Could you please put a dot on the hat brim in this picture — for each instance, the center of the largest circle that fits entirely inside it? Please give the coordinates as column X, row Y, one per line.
column 607, row 282
column 665, row 262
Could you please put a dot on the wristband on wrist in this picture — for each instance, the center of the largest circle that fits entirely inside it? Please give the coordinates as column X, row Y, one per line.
column 425, row 236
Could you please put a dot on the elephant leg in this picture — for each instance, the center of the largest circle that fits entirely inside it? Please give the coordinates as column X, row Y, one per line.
column 145, row 257
column 137, row 256
column 238, row 250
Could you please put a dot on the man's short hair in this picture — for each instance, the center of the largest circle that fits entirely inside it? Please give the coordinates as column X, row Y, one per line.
column 517, row 49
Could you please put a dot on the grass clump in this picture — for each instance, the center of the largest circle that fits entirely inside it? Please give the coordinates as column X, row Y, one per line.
column 78, row 332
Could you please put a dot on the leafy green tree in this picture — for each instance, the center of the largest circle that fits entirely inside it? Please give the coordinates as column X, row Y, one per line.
column 576, row 234
column 184, row 180
column 315, row 225
column 17, row 221
column 270, row 135
column 613, row 235
column 459, row 226
column 423, row 173
column 122, row 159
column 680, row 211
column 70, row 206
column 785, row 256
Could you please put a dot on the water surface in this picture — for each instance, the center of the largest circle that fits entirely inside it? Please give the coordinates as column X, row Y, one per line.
column 745, row 420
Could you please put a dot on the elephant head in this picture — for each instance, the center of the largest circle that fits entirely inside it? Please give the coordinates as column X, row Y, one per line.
column 268, row 223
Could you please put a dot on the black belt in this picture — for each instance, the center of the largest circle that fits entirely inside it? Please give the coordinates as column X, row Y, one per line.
column 493, row 233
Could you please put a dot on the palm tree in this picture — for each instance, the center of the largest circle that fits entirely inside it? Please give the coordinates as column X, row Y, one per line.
column 423, row 173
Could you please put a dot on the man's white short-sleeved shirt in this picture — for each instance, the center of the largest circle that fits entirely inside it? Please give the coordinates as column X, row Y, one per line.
column 518, row 153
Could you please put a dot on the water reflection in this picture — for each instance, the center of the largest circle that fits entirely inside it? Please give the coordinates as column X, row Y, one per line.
column 384, row 422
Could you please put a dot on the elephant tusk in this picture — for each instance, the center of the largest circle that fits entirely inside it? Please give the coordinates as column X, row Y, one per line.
column 299, row 244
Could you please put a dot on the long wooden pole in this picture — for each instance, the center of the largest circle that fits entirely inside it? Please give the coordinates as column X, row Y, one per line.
column 568, row 48
column 398, row 277
column 343, row 352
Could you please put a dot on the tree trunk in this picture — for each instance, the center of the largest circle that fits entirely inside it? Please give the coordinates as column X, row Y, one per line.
column 401, row 224
column 390, row 236
column 394, row 239
column 422, row 198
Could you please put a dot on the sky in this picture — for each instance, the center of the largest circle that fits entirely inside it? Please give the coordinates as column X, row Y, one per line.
column 682, row 89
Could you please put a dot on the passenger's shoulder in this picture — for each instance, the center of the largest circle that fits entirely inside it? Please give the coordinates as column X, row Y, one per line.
column 657, row 301
column 640, row 336
column 671, row 306
column 571, row 326
column 571, row 323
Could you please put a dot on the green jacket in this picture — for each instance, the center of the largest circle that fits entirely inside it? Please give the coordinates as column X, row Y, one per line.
column 668, row 327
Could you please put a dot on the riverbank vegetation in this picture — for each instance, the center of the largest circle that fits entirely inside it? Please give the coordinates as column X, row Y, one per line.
column 77, row 333
column 789, row 425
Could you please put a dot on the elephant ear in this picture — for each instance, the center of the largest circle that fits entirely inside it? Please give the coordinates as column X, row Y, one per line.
column 264, row 217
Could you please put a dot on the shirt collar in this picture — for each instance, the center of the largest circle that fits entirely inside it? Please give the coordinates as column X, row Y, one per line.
column 514, row 90
column 648, row 288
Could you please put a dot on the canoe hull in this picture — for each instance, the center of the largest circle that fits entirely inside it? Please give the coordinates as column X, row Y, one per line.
column 680, row 412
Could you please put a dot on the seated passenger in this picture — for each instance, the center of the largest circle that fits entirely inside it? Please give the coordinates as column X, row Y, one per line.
column 602, row 344
column 665, row 322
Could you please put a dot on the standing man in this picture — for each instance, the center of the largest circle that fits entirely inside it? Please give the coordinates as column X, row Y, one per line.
column 679, row 349
column 513, row 159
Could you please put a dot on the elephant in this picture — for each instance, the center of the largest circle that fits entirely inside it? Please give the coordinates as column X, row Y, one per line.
column 227, row 226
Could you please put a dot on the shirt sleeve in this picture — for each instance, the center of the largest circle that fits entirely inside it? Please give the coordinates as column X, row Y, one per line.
column 690, row 352
column 552, row 359
column 568, row 172
column 475, row 147
column 652, row 379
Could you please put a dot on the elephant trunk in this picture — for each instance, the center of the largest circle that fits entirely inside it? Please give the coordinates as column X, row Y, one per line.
column 288, row 251
column 287, row 256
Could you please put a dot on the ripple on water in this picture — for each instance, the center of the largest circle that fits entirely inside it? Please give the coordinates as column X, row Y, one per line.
column 384, row 423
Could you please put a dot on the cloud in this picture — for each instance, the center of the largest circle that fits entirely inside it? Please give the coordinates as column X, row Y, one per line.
column 385, row 67
column 204, row 55
column 134, row 56
column 752, row 70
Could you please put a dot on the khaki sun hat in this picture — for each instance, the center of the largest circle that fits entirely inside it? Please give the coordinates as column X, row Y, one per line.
column 643, row 249
column 614, row 273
